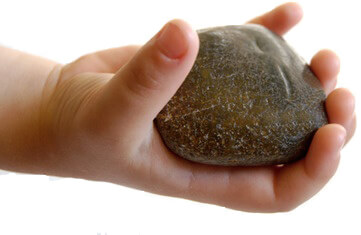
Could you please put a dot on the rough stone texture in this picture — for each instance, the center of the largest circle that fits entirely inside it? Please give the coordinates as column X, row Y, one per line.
column 249, row 100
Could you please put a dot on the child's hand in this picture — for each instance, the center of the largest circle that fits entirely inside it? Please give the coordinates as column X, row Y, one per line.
column 96, row 122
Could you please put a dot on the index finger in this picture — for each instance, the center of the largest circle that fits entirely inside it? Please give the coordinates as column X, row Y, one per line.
column 281, row 19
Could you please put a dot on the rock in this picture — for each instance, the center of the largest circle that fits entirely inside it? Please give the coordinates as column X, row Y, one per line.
column 249, row 100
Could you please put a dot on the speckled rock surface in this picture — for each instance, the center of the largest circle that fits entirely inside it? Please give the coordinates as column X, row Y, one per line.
column 249, row 100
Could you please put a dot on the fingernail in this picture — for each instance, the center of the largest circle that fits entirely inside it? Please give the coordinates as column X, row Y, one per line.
column 343, row 137
column 172, row 41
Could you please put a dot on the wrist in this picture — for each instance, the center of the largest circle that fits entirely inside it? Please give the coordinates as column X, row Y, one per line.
column 22, row 81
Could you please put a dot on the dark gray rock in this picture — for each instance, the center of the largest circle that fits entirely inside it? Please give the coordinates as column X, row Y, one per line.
column 249, row 100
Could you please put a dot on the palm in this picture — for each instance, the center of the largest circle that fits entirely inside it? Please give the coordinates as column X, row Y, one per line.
column 272, row 188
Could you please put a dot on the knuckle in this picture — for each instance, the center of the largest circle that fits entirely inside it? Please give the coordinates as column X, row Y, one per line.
column 147, row 79
column 282, row 203
column 144, row 80
column 82, row 59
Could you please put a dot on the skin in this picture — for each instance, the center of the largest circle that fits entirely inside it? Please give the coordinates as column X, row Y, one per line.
column 93, row 119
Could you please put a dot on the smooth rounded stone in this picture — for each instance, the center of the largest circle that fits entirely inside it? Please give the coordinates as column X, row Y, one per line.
column 249, row 100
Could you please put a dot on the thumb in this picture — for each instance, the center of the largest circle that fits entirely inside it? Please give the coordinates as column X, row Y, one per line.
column 142, row 87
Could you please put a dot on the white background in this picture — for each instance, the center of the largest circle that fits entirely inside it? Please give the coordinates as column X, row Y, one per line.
column 62, row 31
